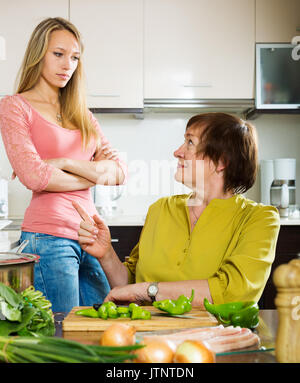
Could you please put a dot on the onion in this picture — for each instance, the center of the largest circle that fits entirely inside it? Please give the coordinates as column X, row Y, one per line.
column 192, row 351
column 155, row 351
column 118, row 334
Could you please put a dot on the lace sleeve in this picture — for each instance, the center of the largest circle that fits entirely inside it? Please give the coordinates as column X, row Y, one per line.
column 31, row 170
column 104, row 142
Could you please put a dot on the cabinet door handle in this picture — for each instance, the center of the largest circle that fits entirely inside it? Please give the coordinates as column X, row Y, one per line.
column 104, row 95
column 114, row 240
column 200, row 85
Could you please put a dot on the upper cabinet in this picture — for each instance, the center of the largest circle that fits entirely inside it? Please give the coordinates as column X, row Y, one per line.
column 277, row 21
column 199, row 49
column 17, row 21
column 156, row 49
column 112, row 34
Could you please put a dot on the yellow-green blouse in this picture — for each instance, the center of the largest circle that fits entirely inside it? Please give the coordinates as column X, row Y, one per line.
column 232, row 246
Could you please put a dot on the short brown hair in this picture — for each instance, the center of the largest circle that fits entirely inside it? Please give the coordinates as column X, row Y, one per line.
column 232, row 140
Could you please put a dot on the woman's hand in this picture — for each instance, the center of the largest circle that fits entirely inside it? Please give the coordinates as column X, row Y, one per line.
column 136, row 292
column 93, row 235
column 105, row 152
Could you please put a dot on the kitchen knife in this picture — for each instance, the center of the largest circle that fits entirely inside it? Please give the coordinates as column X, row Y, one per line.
column 182, row 316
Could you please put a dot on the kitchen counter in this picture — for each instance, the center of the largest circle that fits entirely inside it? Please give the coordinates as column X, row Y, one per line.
column 139, row 220
column 125, row 220
column 131, row 220
column 9, row 239
column 290, row 222
column 266, row 330
column 9, row 235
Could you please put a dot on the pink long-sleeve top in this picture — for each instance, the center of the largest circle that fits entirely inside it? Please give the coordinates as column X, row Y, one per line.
column 29, row 139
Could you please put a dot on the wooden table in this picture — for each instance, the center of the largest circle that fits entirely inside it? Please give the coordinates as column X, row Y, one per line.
column 266, row 330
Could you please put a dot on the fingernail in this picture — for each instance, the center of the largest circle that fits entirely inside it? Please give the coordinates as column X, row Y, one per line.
column 96, row 231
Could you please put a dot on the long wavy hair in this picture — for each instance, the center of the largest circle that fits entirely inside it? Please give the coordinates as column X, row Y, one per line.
column 73, row 96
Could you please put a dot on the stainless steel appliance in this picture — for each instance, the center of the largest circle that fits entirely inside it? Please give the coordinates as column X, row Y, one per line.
column 278, row 184
column 283, row 187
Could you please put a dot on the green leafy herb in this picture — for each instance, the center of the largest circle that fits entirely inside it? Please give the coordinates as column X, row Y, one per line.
column 10, row 296
column 27, row 313
column 10, row 312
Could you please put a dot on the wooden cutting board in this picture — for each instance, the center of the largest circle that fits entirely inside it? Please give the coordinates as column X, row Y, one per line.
column 74, row 322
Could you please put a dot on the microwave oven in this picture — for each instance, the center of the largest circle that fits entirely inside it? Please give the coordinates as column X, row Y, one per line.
column 277, row 76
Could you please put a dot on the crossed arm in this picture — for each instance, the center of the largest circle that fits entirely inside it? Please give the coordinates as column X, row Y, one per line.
column 57, row 174
column 69, row 174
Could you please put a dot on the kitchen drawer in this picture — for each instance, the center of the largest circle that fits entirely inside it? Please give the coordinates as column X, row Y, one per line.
column 288, row 248
column 288, row 241
column 124, row 238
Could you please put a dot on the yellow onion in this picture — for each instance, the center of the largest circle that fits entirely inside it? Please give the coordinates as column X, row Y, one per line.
column 118, row 334
column 155, row 351
column 192, row 351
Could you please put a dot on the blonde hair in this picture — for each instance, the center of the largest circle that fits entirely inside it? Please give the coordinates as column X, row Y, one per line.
column 72, row 97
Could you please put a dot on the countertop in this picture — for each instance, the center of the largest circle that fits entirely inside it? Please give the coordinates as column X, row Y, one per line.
column 133, row 220
column 9, row 239
column 266, row 330
column 289, row 221
column 9, row 235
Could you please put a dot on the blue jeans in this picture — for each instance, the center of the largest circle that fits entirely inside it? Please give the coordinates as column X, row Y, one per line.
column 65, row 274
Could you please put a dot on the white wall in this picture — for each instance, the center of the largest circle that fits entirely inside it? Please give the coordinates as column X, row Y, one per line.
column 158, row 135
column 152, row 141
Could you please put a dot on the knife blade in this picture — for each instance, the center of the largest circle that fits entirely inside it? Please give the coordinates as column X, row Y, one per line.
column 174, row 316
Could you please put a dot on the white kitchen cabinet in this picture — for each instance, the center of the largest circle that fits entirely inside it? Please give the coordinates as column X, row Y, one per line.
column 112, row 32
column 17, row 21
column 277, row 21
column 199, row 49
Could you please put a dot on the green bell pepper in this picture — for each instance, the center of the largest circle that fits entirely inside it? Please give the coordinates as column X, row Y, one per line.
column 139, row 313
column 132, row 306
column 175, row 307
column 109, row 310
column 112, row 310
column 91, row 312
column 243, row 314
column 123, row 310
column 102, row 311
column 124, row 315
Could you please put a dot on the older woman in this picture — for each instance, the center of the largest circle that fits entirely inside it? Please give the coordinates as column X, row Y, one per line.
column 213, row 240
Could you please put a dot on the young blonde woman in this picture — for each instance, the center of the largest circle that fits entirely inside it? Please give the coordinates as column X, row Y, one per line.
column 57, row 150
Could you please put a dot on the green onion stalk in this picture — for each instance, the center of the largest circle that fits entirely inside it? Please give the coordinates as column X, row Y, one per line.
column 42, row 349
